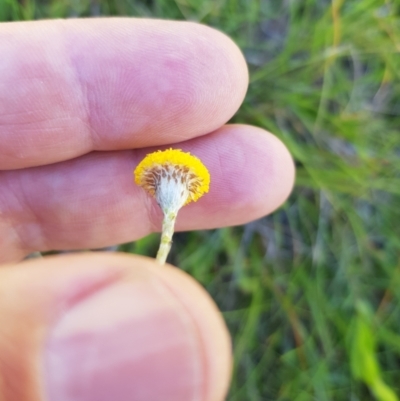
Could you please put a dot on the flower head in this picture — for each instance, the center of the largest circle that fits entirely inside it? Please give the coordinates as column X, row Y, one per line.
column 175, row 178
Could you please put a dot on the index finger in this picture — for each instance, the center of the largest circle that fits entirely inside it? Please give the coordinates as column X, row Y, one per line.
column 71, row 87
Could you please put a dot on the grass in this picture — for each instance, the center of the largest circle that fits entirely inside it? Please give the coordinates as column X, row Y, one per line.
column 311, row 293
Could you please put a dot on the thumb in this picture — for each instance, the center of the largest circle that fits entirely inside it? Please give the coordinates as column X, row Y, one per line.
column 107, row 327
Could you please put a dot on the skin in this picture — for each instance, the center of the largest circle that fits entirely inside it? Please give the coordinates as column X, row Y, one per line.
column 81, row 103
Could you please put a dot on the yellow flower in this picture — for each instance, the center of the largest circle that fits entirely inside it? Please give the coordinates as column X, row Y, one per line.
column 163, row 172
column 174, row 178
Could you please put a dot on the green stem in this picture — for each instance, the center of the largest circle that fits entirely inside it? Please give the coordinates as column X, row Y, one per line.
column 166, row 236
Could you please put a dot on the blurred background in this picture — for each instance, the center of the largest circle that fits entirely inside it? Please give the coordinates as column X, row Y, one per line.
column 311, row 293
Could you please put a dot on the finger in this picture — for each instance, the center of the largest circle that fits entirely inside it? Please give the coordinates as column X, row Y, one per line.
column 70, row 87
column 93, row 202
column 108, row 327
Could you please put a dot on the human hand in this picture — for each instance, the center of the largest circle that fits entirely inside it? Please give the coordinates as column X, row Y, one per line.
column 76, row 97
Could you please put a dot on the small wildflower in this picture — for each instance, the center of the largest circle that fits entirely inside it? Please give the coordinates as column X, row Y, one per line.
column 174, row 178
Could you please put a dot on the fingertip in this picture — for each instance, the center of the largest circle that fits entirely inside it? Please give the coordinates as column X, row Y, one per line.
column 252, row 174
column 156, row 335
column 112, row 84
column 110, row 326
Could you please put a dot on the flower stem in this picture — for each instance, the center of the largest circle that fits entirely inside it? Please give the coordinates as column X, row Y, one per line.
column 166, row 236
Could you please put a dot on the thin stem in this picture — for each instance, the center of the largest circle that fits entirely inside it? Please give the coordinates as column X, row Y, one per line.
column 166, row 236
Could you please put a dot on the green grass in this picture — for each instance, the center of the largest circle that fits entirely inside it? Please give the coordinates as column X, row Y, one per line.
column 311, row 294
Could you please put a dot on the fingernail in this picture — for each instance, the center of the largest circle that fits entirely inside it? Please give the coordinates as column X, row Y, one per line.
column 130, row 341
